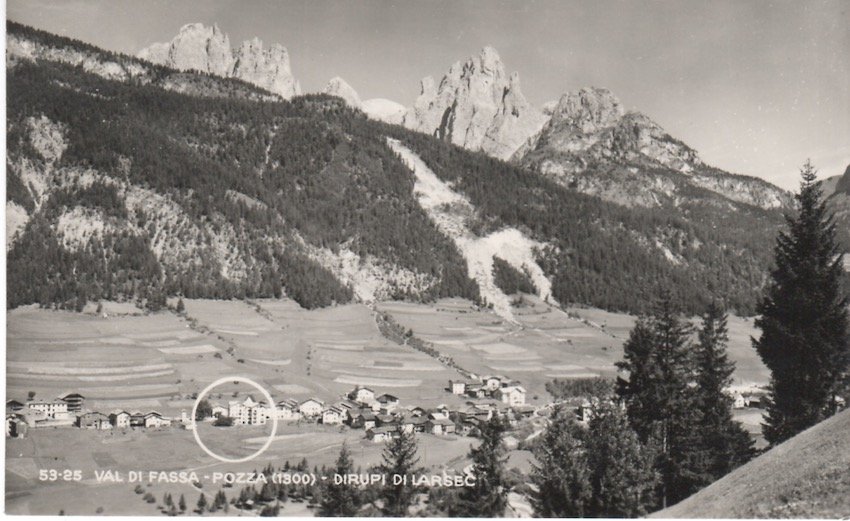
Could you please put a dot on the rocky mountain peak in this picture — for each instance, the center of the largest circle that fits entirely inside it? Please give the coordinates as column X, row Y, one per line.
column 488, row 62
column 340, row 88
column 588, row 109
column 207, row 49
column 476, row 106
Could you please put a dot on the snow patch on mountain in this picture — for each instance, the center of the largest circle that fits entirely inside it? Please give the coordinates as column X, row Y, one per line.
column 451, row 211
column 384, row 110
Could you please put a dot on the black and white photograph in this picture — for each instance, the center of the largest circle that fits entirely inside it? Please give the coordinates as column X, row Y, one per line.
column 427, row 258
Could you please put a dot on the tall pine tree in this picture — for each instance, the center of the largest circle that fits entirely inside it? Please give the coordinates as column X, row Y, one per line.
column 488, row 498
column 622, row 477
column 724, row 442
column 399, row 459
column 560, row 473
column 340, row 499
column 660, row 398
column 804, row 322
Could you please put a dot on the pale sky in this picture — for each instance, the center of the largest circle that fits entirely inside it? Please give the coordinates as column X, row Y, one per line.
column 755, row 87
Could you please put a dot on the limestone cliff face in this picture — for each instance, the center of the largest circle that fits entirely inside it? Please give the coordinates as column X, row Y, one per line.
column 591, row 125
column 207, row 49
column 476, row 106
column 592, row 144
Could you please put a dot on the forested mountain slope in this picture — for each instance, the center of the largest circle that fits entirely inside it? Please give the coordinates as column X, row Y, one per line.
column 123, row 187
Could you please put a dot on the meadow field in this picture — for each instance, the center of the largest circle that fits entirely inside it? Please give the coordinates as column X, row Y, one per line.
column 174, row 449
column 127, row 359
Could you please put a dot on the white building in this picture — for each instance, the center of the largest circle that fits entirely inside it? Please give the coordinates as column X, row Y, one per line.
column 311, row 407
column 219, row 410
column 333, row 416
column 52, row 410
column 492, row 383
column 248, row 412
column 288, row 410
column 459, row 386
column 512, row 395
column 119, row 419
column 362, row 395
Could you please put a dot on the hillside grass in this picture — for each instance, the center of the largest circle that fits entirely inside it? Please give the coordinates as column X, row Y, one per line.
column 808, row 476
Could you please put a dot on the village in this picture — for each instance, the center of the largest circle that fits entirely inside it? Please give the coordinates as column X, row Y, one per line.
column 380, row 416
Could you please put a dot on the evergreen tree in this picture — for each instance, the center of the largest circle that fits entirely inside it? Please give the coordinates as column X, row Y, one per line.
column 724, row 442
column 621, row 474
column 399, row 459
column 340, row 499
column 804, row 340
column 560, row 472
column 660, row 400
column 182, row 503
column 202, row 503
column 270, row 510
column 488, row 498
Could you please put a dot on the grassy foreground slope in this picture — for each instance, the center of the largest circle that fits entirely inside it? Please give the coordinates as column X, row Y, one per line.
column 807, row 476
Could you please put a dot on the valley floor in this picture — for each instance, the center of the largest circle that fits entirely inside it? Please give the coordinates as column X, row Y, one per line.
column 124, row 359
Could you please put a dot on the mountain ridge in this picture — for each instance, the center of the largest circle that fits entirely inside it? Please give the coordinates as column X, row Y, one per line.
column 228, row 191
column 207, row 49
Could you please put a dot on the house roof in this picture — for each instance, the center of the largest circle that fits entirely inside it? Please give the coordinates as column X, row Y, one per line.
column 64, row 396
column 387, row 398
column 316, row 400
column 383, row 429
column 510, row 388
column 441, row 421
column 415, row 420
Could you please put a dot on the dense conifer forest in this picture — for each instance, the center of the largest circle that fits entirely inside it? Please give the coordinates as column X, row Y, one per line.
column 288, row 177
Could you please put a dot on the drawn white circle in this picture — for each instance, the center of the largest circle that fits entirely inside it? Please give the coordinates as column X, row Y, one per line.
column 266, row 395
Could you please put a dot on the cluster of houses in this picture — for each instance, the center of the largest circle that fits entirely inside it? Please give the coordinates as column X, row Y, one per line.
column 68, row 410
column 380, row 416
column 500, row 388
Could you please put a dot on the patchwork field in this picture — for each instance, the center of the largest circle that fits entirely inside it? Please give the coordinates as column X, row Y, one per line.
column 159, row 361
column 546, row 342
